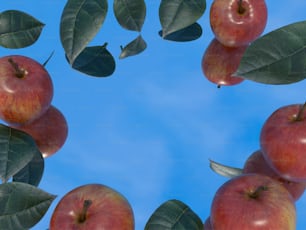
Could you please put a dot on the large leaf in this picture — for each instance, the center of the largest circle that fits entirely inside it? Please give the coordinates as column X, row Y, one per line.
column 178, row 14
column 22, row 205
column 174, row 215
column 278, row 57
column 186, row 34
column 224, row 170
column 16, row 150
column 130, row 13
column 80, row 22
column 18, row 29
column 133, row 48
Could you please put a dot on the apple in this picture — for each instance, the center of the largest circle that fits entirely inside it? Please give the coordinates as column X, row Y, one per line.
column 49, row 131
column 26, row 89
column 207, row 224
column 256, row 163
column 283, row 141
column 252, row 201
column 220, row 62
column 94, row 207
column 238, row 22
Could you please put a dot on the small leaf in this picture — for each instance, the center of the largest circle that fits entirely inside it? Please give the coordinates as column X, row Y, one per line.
column 178, row 14
column 80, row 22
column 95, row 61
column 187, row 34
column 278, row 57
column 18, row 29
column 130, row 14
column 22, row 205
column 16, row 150
column 174, row 215
column 224, row 170
column 133, row 48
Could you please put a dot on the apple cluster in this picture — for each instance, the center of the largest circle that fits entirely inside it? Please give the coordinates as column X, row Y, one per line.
column 26, row 92
column 235, row 24
column 263, row 194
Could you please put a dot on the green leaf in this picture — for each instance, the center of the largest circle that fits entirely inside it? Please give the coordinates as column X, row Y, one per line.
column 174, row 215
column 80, row 22
column 130, row 14
column 278, row 57
column 18, row 29
column 133, row 48
column 16, row 150
column 95, row 61
column 32, row 172
column 22, row 205
column 186, row 34
column 224, row 170
column 175, row 15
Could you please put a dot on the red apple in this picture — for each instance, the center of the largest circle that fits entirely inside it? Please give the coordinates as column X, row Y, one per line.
column 238, row 22
column 26, row 89
column 49, row 131
column 94, row 207
column 207, row 224
column 220, row 62
column 252, row 201
column 283, row 142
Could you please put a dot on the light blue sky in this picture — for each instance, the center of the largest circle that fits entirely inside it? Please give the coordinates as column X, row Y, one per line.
column 149, row 130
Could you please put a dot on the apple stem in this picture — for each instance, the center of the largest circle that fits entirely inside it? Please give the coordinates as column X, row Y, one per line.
column 83, row 214
column 300, row 115
column 19, row 72
column 256, row 193
column 241, row 9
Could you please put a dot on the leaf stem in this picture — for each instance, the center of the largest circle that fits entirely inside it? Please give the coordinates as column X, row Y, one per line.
column 19, row 72
column 300, row 115
column 256, row 193
column 241, row 9
column 83, row 214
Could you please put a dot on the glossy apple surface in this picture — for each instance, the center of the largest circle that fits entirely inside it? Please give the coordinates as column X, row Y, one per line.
column 283, row 142
column 252, row 202
column 238, row 22
column 26, row 89
column 92, row 207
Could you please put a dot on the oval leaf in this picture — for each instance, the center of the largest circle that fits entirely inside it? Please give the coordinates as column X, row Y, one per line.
column 187, row 34
column 133, row 48
column 130, row 14
column 22, row 205
column 174, row 215
column 224, row 170
column 175, row 15
column 95, row 61
column 278, row 57
column 80, row 22
column 17, row 149
column 18, row 29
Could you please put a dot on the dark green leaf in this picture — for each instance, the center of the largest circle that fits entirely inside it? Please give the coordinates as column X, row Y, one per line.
column 224, row 170
column 189, row 33
column 18, row 29
column 32, row 172
column 133, row 48
column 80, row 22
column 178, row 14
column 130, row 13
column 22, row 205
column 174, row 215
column 278, row 57
column 16, row 151
column 95, row 61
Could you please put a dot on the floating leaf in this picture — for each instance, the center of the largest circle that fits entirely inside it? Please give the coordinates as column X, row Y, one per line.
column 175, row 15
column 278, row 57
column 174, row 215
column 133, row 48
column 95, row 61
column 130, row 13
column 80, row 22
column 22, row 205
column 189, row 33
column 16, row 150
column 18, row 29
column 224, row 170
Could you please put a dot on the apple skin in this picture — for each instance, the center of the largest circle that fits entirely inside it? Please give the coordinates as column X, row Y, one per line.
column 220, row 62
column 256, row 163
column 237, row 26
column 49, row 131
column 252, row 201
column 25, row 93
column 207, row 224
column 109, row 210
column 283, row 142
